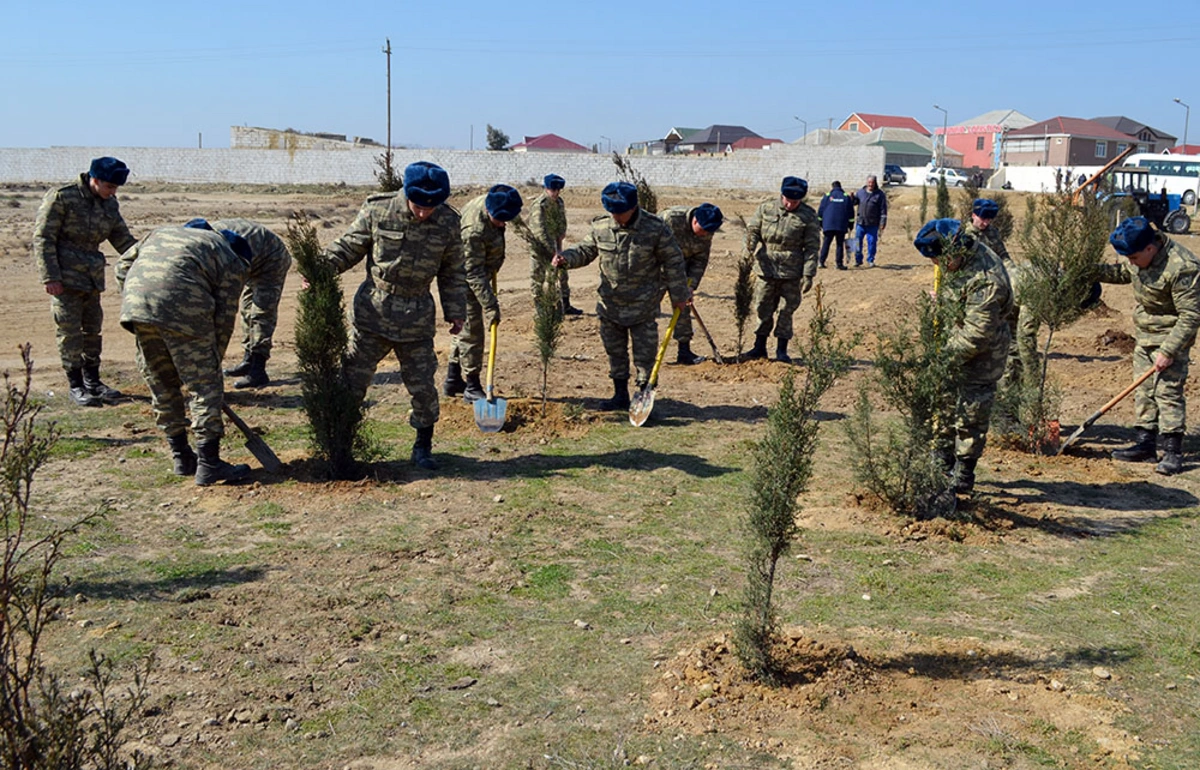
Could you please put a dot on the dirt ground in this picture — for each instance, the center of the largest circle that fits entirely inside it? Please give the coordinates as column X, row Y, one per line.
column 855, row 706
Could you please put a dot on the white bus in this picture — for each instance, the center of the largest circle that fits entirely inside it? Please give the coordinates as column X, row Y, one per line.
column 1180, row 174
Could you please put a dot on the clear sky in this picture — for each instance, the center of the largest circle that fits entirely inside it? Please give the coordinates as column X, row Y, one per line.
column 131, row 73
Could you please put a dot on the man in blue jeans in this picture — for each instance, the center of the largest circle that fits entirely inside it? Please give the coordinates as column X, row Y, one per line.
column 870, row 221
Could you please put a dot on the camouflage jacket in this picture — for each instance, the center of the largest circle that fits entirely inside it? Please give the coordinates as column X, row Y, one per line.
column 184, row 280
column 404, row 256
column 789, row 240
column 636, row 261
column 271, row 259
column 483, row 251
column 982, row 300
column 71, row 224
column 548, row 219
column 991, row 238
column 1167, row 294
column 695, row 248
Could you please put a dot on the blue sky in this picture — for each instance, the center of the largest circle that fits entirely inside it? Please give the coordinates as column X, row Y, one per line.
column 161, row 74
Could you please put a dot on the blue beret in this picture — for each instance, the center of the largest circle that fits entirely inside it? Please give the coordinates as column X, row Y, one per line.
column 426, row 184
column 1131, row 236
column 619, row 197
column 709, row 217
column 985, row 208
column 503, row 202
column 553, row 182
column 199, row 223
column 109, row 170
column 793, row 187
column 935, row 234
column 240, row 245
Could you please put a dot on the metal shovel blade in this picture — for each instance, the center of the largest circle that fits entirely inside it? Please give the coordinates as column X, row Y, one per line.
column 490, row 413
column 641, row 406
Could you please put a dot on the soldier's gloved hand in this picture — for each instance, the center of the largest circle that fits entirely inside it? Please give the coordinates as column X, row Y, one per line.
column 806, row 284
column 491, row 315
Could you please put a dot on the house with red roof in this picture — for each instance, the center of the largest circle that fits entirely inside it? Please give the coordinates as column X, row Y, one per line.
column 866, row 122
column 753, row 143
column 548, row 143
column 1063, row 141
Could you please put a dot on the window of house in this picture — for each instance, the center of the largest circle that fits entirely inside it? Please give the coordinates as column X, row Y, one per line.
column 1101, row 149
column 853, row 126
column 979, row 143
column 1121, row 148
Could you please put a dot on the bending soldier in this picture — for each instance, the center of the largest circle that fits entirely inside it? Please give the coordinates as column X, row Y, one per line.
column 693, row 230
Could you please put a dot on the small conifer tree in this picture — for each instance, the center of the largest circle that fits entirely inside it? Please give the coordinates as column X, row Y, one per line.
column 389, row 180
column 335, row 414
column 743, row 292
column 943, row 207
column 547, row 304
column 924, row 217
column 781, row 471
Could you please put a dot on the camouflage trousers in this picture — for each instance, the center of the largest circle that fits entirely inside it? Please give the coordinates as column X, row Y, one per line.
column 170, row 361
column 767, row 294
column 537, row 276
column 467, row 348
column 260, row 312
column 968, row 427
column 1023, row 352
column 418, row 369
column 683, row 327
column 78, row 320
column 617, row 338
column 1159, row 403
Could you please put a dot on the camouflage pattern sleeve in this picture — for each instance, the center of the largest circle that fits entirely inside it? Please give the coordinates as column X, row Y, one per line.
column 586, row 251
column 227, row 296
column 120, row 238
column 1112, row 272
column 986, row 305
column 812, row 240
column 754, row 228
column 452, row 281
column 45, row 237
column 1185, row 293
column 481, row 241
column 125, row 262
column 674, row 269
column 350, row 249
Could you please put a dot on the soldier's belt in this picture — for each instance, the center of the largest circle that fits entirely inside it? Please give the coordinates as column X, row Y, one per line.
column 399, row 290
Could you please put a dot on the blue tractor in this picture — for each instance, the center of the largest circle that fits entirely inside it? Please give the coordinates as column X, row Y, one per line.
column 1163, row 209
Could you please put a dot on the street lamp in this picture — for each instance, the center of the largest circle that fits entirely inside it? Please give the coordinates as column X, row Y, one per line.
column 803, row 139
column 1186, row 116
column 942, row 150
column 602, row 136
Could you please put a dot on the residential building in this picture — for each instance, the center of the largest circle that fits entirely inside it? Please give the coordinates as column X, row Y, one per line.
column 1063, row 142
column 978, row 140
column 714, row 139
column 548, row 143
column 1149, row 139
column 663, row 146
column 753, row 143
column 866, row 122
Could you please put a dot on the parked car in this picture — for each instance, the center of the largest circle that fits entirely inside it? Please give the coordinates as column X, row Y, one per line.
column 893, row 174
column 954, row 177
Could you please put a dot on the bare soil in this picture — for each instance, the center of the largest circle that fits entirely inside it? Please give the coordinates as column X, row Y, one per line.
column 851, row 698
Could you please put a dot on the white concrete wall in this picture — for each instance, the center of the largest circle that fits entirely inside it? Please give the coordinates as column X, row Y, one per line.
column 750, row 169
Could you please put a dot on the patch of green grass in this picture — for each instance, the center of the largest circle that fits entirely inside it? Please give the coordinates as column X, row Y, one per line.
column 77, row 447
column 551, row 581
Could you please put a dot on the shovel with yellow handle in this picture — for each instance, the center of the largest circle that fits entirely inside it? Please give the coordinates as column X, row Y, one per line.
column 490, row 411
column 643, row 401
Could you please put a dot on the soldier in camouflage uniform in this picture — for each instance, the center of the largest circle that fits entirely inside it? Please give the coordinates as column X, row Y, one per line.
column 260, row 299
column 975, row 283
column 179, row 295
column 71, row 224
column 693, row 229
column 548, row 221
column 784, row 236
column 408, row 238
column 483, row 223
column 637, row 256
column 1166, row 286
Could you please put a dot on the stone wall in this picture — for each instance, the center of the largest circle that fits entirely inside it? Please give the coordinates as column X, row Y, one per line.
column 749, row 169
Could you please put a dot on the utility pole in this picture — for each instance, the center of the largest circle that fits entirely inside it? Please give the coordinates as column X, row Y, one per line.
column 388, row 52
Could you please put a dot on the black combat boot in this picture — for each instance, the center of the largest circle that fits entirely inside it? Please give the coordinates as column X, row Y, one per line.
column 422, row 451
column 182, row 454
column 241, row 369
column 1172, row 459
column 91, row 381
column 620, row 398
column 686, row 356
column 569, row 309
column 454, row 384
column 80, row 393
column 474, row 390
column 781, row 354
column 256, row 373
column 210, row 468
column 964, row 475
column 1142, row 449
column 758, row 351
column 943, row 457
